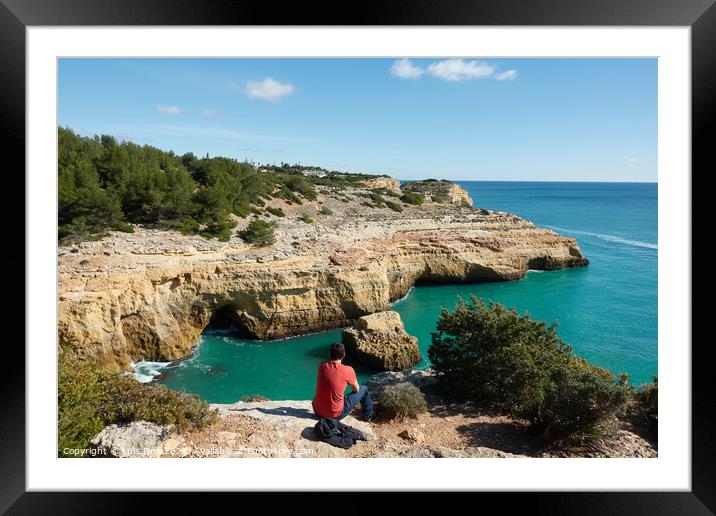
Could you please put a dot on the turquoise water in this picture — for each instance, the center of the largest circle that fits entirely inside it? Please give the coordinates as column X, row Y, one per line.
column 606, row 311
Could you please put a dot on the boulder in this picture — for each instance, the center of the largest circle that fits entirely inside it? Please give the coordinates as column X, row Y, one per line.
column 412, row 434
column 137, row 439
column 421, row 378
column 379, row 341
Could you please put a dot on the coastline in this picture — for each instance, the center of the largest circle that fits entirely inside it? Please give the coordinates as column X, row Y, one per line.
column 149, row 295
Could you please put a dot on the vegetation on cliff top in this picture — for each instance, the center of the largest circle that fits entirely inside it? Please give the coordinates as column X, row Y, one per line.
column 260, row 232
column 88, row 400
column 104, row 184
column 513, row 364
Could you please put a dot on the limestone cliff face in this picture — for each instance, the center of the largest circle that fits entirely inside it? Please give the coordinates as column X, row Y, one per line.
column 149, row 295
column 434, row 189
column 382, row 182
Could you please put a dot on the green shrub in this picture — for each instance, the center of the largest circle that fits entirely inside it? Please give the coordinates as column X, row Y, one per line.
column 394, row 206
column 647, row 403
column 412, row 198
column 483, row 211
column 260, row 232
column 441, row 198
column 300, row 184
column 305, row 217
column 513, row 364
column 88, row 400
column 325, row 210
column 275, row 211
column 124, row 227
column 219, row 229
column 401, row 400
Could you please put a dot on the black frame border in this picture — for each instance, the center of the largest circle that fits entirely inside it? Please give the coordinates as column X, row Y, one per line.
column 700, row 15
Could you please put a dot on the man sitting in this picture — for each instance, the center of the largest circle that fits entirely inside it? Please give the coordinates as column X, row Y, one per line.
column 333, row 377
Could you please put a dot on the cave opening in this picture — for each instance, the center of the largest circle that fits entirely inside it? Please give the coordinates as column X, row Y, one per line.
column 230, row 319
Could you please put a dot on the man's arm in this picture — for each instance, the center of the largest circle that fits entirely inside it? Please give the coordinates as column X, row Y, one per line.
column 353, row 381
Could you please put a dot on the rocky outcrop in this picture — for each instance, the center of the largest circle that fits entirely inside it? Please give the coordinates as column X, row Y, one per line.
column 148, row 295
column 440, row 191
column 421, row 378
column 386, row 182
column 139, row 439
column 379, row 341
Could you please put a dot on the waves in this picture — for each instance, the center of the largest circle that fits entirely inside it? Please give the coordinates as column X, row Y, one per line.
column 609, row 238
column 402, row 298
column 145, row 371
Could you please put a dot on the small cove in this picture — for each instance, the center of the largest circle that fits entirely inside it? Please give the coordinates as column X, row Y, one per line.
column 606, row 311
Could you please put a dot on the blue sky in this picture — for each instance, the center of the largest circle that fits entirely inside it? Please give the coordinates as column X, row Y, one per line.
column 466, row 119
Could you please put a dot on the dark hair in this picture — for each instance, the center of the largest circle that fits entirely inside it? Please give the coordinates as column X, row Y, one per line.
column 337, row 351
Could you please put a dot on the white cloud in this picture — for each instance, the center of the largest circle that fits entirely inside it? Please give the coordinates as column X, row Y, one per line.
column 404, row 69
column 460, row 70
column 507, row 75
column 170, row 110
column 268, row 90
column 209, row 113
column 633, row 160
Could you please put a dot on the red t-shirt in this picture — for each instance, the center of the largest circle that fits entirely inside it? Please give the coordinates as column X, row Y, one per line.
column 333, row 378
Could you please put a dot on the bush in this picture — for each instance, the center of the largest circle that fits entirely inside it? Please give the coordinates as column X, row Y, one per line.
column 441, row 198
column 402, row 400
column 394, row 206
column 88, row 400
column 511, row 363
column 123, row 227
column 306, row 218
column 260, row 232
column 647, row 403
column 251, row 398
column 483, row 211
column 275, row 211
column 219, row 229
column 412, row 198
column 325, row 210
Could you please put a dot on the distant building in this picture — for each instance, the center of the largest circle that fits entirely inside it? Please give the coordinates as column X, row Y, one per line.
column 314, row 173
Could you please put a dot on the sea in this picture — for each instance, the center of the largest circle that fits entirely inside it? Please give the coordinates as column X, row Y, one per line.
column 606, row 311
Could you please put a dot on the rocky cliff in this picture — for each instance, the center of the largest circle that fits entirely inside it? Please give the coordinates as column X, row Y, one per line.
column 440, row 191
column 386, row 182
column 149, row 294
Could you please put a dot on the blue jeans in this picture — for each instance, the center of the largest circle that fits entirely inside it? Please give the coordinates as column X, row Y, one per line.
column 350, row 401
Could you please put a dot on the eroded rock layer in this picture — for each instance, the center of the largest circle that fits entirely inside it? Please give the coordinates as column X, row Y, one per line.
column 148, row 295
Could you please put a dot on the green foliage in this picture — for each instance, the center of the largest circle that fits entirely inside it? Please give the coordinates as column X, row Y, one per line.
column 275, row 211
column 88, row 400
column 514, row 364
column 394, row 206
column 325, row 210
column 412, row 198
column 298, row 183
column 401, row 400
column 104, row 185
column 305, row 217
column 441, row 198
column 260, row 232
column 377, row 201
column 647, row 403
column 483, row 211
column 123, row 227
